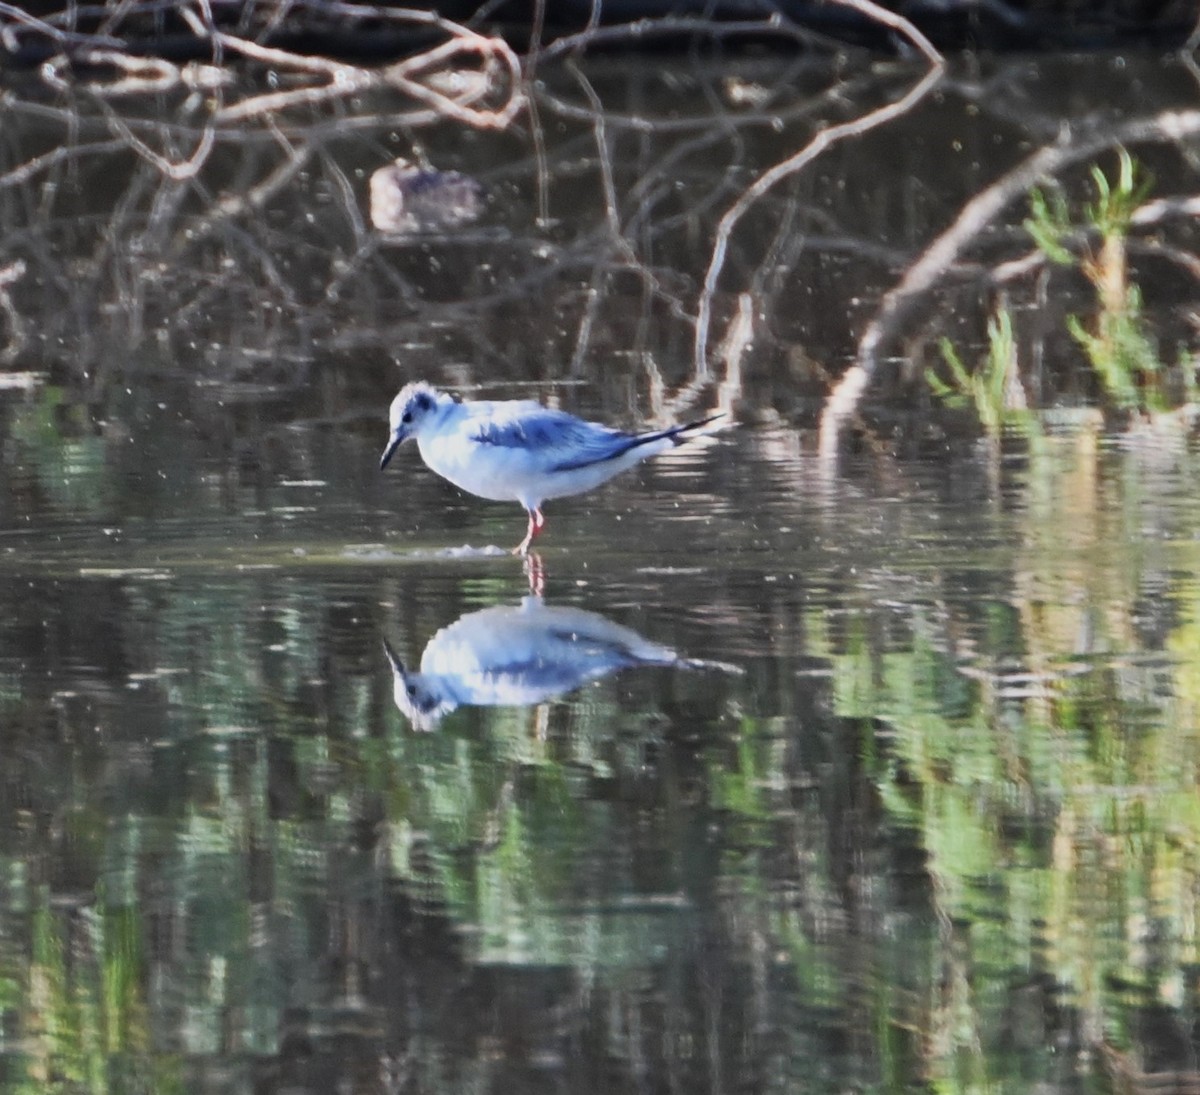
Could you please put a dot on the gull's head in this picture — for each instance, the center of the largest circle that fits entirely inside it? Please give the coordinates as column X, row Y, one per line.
column 414, row 407
column 417, row 695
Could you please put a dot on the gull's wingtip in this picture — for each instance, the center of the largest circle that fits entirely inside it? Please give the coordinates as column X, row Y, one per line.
column 680, row 434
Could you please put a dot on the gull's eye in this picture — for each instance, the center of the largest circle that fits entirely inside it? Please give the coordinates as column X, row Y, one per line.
column 406, row 417
column 412, row 691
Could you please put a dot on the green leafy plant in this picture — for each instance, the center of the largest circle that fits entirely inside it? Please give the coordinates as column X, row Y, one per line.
column 1049, row 223
column 993, row 390
column 1121, row 354
column 1112, row 211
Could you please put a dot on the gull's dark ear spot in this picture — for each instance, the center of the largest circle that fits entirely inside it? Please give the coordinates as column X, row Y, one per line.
column 423, row 402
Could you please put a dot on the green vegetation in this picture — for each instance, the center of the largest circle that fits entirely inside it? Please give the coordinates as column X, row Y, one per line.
column 81, row 1008
column 1121, row 353
column 1047, row 770
column 994, row 389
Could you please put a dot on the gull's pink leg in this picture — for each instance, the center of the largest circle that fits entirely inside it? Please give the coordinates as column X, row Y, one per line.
column 536, row 573
column 536, row 523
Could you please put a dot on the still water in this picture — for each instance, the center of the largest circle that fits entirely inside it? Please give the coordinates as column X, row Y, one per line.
column 764, row 776
column 880, row 783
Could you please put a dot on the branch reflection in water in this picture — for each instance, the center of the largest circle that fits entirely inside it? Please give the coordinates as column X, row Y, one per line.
column 521, row 655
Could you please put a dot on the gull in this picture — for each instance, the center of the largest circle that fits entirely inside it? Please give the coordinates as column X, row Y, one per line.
column 517, row 450
column 521, row 655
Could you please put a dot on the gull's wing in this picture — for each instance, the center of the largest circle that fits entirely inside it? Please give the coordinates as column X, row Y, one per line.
column 560, row 441
column 508, row 656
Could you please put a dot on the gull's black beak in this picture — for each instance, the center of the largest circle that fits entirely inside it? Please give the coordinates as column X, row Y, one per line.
column 393, row 658
column 393, row 445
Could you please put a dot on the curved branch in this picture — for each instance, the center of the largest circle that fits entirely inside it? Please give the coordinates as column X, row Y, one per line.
column 977, row 214
column 342, row 80
column 822, row 141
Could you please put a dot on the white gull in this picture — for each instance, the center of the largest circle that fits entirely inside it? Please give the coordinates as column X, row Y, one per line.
column 518, row 450
column 521, row 655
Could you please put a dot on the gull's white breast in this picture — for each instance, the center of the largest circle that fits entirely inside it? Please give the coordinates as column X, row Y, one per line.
column 485, row 470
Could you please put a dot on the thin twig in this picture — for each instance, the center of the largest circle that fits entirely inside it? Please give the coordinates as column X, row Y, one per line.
column 47, row 160
column 19, row 15
column 235, row 204
column 10, row 275
column 645, row 30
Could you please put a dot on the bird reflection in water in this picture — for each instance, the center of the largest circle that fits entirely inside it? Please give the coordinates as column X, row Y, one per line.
column 521, row 655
